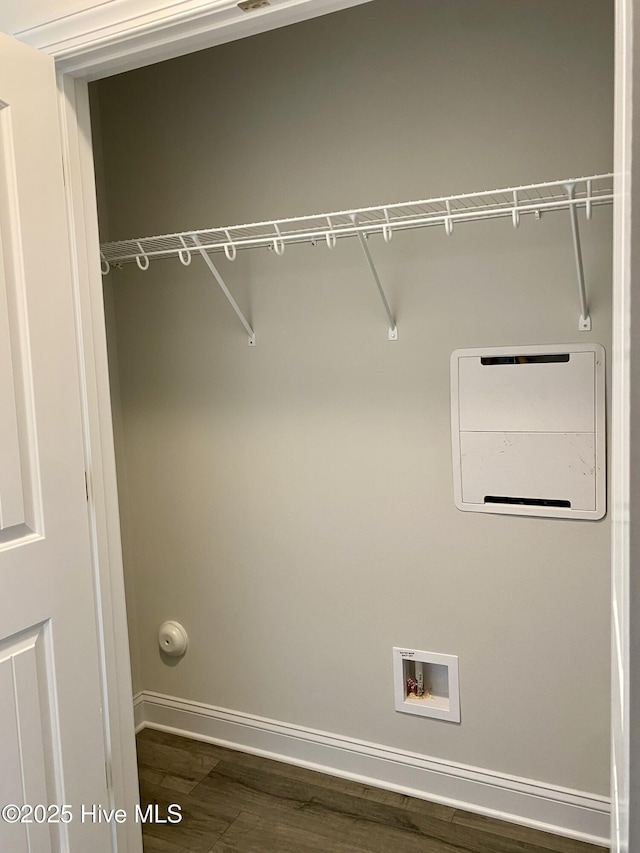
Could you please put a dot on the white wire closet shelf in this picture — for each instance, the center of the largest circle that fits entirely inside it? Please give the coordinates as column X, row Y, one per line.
column 446, row 211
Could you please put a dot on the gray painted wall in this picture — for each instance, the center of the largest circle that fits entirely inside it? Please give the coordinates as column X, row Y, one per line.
column 292, row 504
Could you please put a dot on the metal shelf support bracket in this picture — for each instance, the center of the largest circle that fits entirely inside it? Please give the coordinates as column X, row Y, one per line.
column 393, row 329
column 225, row 290
column 584, row 321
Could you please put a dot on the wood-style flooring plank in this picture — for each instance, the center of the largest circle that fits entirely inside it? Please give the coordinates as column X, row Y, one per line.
column 336, row 815
column 187, row 744
column 248, row 804
column 334, row 828
column 202, row 823
column 546, row 840
column 166, row 780
column 256, row 834
column 182, row 766
column 150, row 844
column 346, row 786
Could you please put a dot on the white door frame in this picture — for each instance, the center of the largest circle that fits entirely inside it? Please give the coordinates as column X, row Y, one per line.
column 100, row 42
column 100, row 458
column 624, row 500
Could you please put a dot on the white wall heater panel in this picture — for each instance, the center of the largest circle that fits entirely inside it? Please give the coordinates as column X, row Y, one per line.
column 528, row 430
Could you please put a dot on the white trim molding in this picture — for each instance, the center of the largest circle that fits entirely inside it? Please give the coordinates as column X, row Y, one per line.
column 138, row 712
column 573, row 814
column 120, row 35
column 625, row 472
column 102, row 503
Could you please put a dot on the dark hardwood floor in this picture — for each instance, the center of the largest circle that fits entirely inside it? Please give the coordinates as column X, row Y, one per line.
column 238, row 803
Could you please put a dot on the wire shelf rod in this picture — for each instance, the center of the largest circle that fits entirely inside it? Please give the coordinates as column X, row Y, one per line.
column 384, row 219
column 116, row 253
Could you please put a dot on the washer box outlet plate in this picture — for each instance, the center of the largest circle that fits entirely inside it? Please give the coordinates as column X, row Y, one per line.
column 528, row 430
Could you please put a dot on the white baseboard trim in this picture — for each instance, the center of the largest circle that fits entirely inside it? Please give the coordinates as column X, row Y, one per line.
column 573, row 814
column 138, row 712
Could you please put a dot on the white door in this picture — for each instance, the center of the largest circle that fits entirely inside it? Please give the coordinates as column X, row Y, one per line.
column 51, row 733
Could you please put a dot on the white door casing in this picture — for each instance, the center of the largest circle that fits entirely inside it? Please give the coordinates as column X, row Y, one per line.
column 51, row 729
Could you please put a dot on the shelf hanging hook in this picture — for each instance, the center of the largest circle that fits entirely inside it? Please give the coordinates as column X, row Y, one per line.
column 184, row 254
column 387, row 233
column 142, row 260
column 104, row 265
column 278, row 243
column 515, row 213
column 230, row 249
column 331, row 235
column 588, row 206
column 448, row 222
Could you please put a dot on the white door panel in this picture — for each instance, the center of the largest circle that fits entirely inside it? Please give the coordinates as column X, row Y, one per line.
column 30, row 768
column 13, row 414
column 51, row 733
column 11, row 493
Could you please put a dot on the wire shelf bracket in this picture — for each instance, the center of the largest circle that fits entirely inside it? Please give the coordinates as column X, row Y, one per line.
column 362, row 237
column 225, row 290
column 512, row 203
column 584, row 321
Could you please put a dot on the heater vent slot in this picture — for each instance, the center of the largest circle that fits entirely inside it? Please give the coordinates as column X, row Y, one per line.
column 502, row 499
column 549, row 358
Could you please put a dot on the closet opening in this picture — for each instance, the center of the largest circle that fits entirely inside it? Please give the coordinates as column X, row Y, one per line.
column 290, row 504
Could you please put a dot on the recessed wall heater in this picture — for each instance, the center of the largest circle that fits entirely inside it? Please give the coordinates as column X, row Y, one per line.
column 528, row 430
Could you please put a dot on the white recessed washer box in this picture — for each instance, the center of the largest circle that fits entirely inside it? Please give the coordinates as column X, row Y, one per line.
column 528, row 430
column 437, row 675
